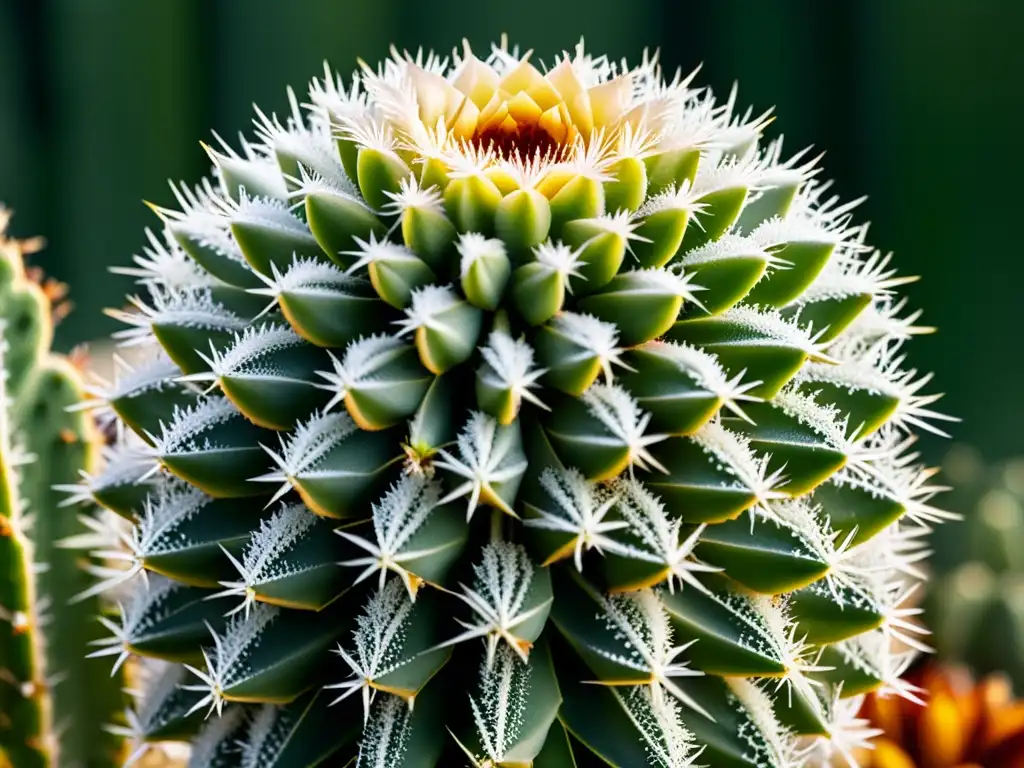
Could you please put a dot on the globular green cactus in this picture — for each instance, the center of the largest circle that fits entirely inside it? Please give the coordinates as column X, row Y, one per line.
column 527, row 419
column 977, row 603
column 53, row 704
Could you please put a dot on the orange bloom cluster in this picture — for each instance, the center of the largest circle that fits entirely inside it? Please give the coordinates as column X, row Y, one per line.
column 965, row 725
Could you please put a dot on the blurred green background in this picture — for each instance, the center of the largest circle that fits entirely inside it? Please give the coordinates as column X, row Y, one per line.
column 913, row 100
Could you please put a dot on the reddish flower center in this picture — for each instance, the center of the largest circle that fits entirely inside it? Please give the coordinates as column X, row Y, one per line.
column 523, row 142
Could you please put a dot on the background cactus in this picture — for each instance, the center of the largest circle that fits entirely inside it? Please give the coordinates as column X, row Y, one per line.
column 574, row 380
column 53, row 704
column 977, row 604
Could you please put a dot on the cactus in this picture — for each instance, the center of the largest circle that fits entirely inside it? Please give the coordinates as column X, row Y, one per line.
column 53, row 704
column 977, row 604
column 499, row 418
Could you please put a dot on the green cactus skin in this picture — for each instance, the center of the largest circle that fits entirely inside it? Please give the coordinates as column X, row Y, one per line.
column 592, row 435
column 976, row 608
column 26, row 718
column 53, row 703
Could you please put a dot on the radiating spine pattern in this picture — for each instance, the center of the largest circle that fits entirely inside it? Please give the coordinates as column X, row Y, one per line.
column 482, row 413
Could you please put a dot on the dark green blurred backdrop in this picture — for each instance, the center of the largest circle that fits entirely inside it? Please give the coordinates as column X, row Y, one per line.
column 915, row 102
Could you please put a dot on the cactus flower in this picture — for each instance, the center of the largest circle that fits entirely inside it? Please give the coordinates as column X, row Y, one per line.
column 964, row 723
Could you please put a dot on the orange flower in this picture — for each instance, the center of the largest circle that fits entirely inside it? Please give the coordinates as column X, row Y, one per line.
column 965, row 725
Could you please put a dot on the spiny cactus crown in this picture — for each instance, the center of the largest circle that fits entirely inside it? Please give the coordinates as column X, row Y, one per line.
column 473, row 386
